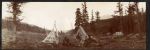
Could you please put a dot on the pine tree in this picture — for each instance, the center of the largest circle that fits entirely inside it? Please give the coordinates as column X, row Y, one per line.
column 117, row 24
column 92, row 18
column 131, row 18
column 137, row 18
column 130, row 9
column 92, row 23
column 78, row 21
column 136, row 7
column 16, row 12
column 97, row 16
column 120, row 11
column 85, row 16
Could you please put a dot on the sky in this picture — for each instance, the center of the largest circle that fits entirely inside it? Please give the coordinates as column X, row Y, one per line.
column 45, row 14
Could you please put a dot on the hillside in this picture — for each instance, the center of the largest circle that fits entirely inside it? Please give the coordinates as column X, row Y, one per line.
column 29, row 36
column 128, row 24
column 23, row 27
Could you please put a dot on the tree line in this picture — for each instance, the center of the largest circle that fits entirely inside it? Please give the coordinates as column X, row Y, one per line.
column 132, row 21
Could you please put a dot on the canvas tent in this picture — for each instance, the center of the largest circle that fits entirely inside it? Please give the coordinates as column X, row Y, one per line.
column 52, row 37
column 78, row 38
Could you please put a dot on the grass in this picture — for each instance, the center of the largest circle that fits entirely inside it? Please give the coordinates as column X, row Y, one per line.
column 31, row 40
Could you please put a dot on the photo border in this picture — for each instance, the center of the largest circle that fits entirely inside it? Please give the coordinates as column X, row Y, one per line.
column 147, row 14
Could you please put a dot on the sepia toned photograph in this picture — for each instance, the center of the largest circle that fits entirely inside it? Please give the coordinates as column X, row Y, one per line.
column 47, row 25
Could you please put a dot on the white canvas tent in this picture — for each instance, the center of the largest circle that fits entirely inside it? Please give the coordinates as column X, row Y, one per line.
column 77, row 38
column 52, row 37
column 81, row 35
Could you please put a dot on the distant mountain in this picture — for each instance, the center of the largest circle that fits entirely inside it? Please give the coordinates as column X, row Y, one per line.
column 23, row 27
